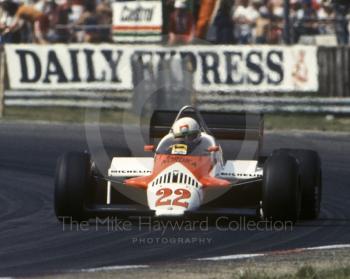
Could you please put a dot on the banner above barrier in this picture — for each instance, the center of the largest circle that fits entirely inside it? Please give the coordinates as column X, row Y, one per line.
column 110, row 67
column 137, row 21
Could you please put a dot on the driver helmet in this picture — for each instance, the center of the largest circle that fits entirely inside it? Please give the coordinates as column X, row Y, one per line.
column 186, row 128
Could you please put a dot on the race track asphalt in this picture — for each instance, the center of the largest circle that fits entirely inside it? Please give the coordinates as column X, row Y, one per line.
column 33, row 242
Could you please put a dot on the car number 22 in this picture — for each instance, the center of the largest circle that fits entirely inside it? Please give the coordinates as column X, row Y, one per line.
column 165, row 193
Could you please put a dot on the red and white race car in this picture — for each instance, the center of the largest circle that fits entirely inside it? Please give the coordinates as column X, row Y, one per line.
column 187, row 173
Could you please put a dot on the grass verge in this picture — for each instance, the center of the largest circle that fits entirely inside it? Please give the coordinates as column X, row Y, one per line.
column 307, row 122
column 55, row 114
column 322, row 264
column 304, row 272
column 272, row 122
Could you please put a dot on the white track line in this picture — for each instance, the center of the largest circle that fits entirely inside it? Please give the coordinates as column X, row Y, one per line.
column 111, row 268
column 328, row 247
column 291, row 251
column 231, row 257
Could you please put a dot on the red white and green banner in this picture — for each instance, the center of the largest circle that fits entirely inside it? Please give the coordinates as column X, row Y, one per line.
column 137, row 21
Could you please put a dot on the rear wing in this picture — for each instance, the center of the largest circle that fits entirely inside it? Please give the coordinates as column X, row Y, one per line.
column 222, row 125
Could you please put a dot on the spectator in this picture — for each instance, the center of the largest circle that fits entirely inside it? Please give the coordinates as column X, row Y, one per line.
column 278, row 8
column 89, row 21
column 224, row 23
column 245, row 17
column 77, row 9
column 295, row 6
column 29, row 14
column 272, row 29
column 104, row 19
column 326, row 16
column 42, row 6
column 8, row 11
column 167, row 10
column 60, row 21
column 307, row 23
column 341, row 26
column 181, row 24
column 207, row 10
column 258, row 30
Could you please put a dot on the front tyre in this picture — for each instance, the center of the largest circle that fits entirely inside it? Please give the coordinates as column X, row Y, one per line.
column 72, row 181
column 311, row 181
column 281, row 198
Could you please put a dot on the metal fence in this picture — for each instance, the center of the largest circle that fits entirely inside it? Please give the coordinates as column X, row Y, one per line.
column 334, row 71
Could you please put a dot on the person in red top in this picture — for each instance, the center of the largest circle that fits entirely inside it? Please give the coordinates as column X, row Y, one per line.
column 39, row 21
column 181, row 25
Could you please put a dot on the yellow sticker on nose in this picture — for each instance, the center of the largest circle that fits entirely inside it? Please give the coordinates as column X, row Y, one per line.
column 179, row 149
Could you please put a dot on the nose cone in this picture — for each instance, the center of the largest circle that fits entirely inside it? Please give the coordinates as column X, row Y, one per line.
column 174, row 191
column 173, row 200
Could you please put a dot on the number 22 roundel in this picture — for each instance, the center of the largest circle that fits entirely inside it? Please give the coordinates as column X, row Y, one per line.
column 181, row 195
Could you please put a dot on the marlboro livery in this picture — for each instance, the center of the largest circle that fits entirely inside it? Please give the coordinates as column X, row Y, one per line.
column 187, row 174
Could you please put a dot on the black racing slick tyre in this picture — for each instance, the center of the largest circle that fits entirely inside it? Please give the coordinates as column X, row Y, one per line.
column 72, row 181
column 281, row 195
column 311, row 181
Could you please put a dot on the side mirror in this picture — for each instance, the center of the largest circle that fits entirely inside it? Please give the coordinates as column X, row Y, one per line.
column 214, row 148
column 148, row 148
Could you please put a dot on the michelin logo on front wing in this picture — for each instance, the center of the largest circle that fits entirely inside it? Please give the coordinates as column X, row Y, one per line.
column 174, row 191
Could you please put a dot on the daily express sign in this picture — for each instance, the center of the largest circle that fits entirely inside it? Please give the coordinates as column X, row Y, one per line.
column 109, row 67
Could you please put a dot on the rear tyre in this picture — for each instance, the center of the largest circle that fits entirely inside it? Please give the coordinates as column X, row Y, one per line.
column 281, row 197
column 72, row 185
column 311, row 181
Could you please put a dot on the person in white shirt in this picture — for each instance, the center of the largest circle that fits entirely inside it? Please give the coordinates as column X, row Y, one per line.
column 326, row 15
column 245, row 17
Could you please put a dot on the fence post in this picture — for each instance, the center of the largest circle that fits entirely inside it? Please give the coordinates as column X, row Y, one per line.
column 339, row 74
column 286, row 31
column 3, row 81
column 346, row 71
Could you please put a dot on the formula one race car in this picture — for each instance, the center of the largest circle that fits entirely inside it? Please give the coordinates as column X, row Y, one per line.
column 187, row 173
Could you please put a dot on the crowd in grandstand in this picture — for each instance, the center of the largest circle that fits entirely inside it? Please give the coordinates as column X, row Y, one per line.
column 55, row 21
column 219, row 21
column 262, row 21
